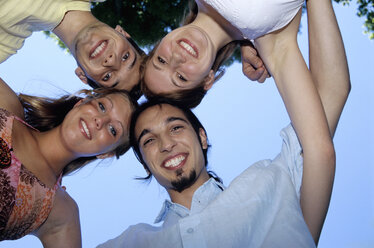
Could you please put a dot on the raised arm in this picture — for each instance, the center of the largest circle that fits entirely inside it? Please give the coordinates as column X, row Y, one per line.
column 329, row 68
column 327, row 59
column 62, row 227
column 285, row 63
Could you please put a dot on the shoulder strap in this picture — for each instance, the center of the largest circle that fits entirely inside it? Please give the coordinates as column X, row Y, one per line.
column 24, row 122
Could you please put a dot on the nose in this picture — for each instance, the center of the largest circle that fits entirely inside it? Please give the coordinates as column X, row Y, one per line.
column 177, row 58
column 166, row 143
column 109, row 59
column 100, row 121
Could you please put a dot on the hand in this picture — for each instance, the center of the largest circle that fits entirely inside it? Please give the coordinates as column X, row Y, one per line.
column 252, row 64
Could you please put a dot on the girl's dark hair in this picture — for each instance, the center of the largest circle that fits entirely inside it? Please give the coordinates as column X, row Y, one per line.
column 191, row 97
column 191, row 117
column 45, row 113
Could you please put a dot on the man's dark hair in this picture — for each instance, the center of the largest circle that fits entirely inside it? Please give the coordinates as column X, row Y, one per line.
column 191, row 117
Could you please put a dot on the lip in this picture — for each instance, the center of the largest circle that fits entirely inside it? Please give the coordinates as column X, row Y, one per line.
column 84, row 129
column 182, row 163
column 189, row 43
column 103, row 44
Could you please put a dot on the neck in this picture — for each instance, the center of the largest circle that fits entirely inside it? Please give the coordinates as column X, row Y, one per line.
column 73, row 23
column 56, row 156
column 217, row 35
column 218, row 28
column 184, row 198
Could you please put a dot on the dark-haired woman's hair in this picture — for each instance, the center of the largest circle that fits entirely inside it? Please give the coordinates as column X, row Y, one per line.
column 191, row 117
column 190, row 97
column 45, row 113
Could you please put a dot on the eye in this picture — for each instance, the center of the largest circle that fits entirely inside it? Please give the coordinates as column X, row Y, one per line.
column 102, row 107
column 107, row 76
column 180, row 77
column 147, row 141
column 112, row 130
column 161, row 60
column 126, row 56
column 176, row 128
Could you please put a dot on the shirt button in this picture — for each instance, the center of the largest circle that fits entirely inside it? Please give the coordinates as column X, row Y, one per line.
column 190, row 230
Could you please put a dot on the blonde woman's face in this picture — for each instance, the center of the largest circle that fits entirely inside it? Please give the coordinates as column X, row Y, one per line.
column 97, row 126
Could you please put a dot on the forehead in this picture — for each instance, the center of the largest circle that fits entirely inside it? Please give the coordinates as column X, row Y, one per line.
column 121, row 107
column 158, row 81
column 157, row 116
column 128, row 76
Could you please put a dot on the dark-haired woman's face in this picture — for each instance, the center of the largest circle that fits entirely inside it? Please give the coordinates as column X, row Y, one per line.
column 182, row 60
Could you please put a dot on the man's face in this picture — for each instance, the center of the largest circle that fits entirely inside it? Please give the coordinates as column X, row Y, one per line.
column 170, row 147
column 106, row 56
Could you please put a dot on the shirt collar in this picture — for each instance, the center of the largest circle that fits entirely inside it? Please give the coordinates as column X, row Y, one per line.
column 201, row 198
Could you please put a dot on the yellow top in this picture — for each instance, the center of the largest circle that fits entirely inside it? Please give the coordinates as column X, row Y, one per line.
column 19, row 18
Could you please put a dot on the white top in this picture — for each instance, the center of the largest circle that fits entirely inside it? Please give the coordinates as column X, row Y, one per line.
column 255, row 18
column 19, row 18
column 260, row 208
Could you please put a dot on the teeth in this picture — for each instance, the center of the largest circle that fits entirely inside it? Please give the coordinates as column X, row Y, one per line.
column 188, row 48
column 98, row 49
column 175, row 161
column 85, row 128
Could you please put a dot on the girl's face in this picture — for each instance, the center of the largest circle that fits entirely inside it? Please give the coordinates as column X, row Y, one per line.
column 182, row 60
column 96, row 126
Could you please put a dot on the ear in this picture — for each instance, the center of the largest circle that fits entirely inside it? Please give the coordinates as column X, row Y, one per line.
column 120, row 30
column 203, row 138
column 105, row 155
column 209, row 80
column 81, row 75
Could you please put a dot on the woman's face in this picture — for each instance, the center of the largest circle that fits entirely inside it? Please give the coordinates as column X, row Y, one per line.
column 182, row 60
column 97, row 126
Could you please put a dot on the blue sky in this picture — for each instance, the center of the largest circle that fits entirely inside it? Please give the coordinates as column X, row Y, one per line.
column 243, row 120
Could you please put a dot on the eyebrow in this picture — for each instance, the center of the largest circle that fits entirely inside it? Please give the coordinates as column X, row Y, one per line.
column 156, row 66
column 173, row 118
column 111, row 102
column 144, row 132
column 134, row 61
column 168, row 120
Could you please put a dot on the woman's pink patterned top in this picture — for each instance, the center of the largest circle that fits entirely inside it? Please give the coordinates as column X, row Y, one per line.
column 25, row 202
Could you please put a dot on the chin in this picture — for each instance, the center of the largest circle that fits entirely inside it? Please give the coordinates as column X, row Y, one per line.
column 184, row 182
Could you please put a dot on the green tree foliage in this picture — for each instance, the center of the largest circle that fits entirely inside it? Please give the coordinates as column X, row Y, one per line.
column 147, row 21
column 365, row 10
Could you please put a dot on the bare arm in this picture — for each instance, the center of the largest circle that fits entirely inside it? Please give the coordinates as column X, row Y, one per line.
column 284, row 61
column 9, row 99
column 327, row 59
column 329, row 69
column 62, row 228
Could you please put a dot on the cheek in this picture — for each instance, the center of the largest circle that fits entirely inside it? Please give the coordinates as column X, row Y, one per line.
column 197, row 72
column 146, row 158
column 105, row 141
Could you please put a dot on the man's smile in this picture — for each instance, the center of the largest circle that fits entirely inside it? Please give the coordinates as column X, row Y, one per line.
column 175, row 161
